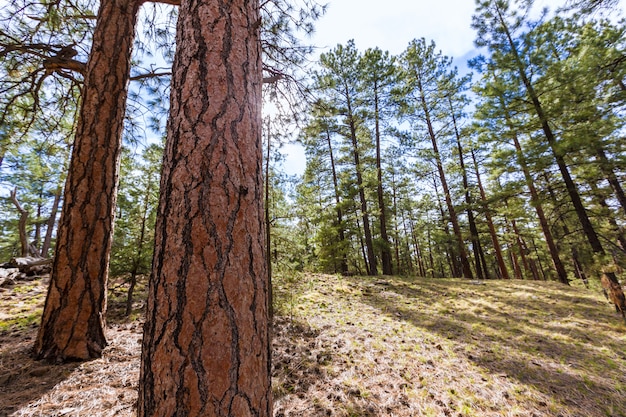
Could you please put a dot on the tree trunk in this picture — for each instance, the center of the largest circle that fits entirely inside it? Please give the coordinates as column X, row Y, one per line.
column 268, row 224
column 372, row 266
column 206, row 339
column 504, row 272
column 396, row 240
column 385, row 251
column 73, row 321
column 22, row 223
column 481, row 269
column 543, row 221
column 609, row 174
column 455, row 268
column 579, row 271
column 139, row 253
column 362, row 244
column 467, row 271
column 340, row 226
column 47, row 241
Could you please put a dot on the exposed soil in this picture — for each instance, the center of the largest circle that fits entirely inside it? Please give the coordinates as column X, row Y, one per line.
column 365, row 347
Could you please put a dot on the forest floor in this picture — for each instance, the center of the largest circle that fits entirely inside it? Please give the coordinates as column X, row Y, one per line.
column 381, row 346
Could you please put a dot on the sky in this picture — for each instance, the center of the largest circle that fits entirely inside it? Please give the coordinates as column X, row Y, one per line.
column 390, row 25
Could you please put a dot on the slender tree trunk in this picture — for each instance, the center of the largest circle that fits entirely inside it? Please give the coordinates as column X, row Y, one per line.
column 385, row 251
column 73, row 321
column 22, row 223
column 431, row 261
column 37, row 239
column 572, row 190
column 543, row 221
column 342, row 234
column 47, row 241
column 140, row 246
column 579, row 271
column 455, row 268
column 371, row 256
column 516, row 267
column 610, row 218
column 481, row 269
column 609, row 174
column 467, row 271
column 396, row 241
column 362, row 244
column 418, row 249
column 268, row 224
column 504, row 273
column 206, row 339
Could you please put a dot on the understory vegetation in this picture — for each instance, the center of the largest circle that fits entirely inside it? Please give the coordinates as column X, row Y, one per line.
column 365, row 346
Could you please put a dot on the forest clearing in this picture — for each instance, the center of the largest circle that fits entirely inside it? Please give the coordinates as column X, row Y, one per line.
column 364, row 346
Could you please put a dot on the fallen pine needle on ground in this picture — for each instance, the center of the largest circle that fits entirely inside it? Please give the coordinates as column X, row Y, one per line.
column 366, row 346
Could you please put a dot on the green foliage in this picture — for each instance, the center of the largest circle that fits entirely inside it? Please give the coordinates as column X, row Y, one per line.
column 137, row 203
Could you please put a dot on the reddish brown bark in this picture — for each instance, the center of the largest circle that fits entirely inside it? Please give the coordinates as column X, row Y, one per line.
column 206, row 339
column 72, row 326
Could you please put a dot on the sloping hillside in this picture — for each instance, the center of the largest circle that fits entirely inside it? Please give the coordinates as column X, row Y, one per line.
column 370, row 347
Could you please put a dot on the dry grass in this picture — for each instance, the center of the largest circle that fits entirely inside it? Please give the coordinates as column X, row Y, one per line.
column 369, row 347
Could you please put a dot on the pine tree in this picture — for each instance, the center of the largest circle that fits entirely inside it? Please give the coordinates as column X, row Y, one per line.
column 206, row 340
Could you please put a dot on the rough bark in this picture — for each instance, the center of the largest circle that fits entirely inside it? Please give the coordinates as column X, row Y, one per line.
column 73, row 321
column 206, row 338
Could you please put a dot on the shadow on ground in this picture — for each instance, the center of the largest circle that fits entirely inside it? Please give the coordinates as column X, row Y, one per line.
column 556, row 347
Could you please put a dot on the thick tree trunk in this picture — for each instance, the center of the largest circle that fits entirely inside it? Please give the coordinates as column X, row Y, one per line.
column 73, row 321
column 206, row 339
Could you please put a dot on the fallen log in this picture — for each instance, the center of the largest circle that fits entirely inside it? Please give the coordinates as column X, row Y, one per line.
column 30, row 265
column 8, row 276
